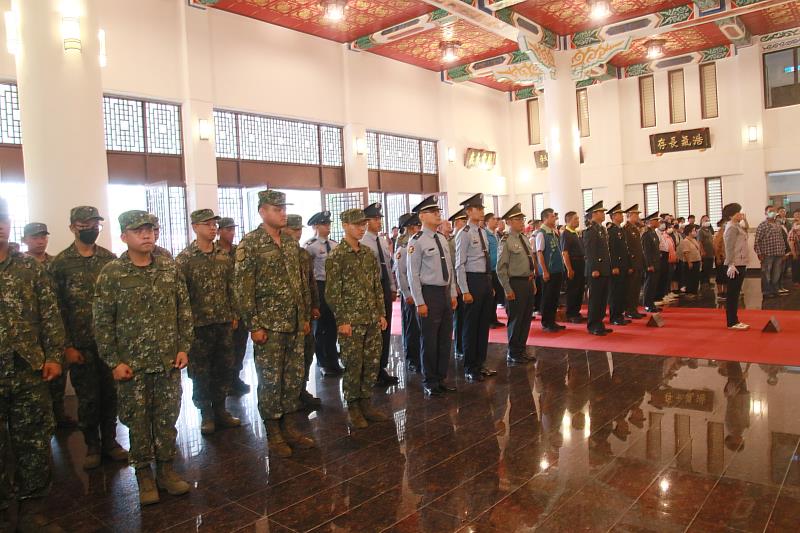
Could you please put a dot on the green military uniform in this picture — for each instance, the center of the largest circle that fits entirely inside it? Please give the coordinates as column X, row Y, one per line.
column 159, row 251
column 272, row 297
column 208, row 278
column 354, row 293
column 143, row 318
column 75, row 277
column 31, row 334
column 240, row 334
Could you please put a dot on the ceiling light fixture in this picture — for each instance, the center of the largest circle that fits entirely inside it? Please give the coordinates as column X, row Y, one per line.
column 449, row 50
column 334, row 9
column 599, row 9
column 655, row 48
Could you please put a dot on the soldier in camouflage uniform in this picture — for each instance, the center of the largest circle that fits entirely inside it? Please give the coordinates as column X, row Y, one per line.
column 143, row 328
column 35, row 237
column 207, row 270
column 75, row 272
column 274, row 304
column 355, row 295
column 159, row 251
column 31, row 342
column 237, row 387
column 294, row 229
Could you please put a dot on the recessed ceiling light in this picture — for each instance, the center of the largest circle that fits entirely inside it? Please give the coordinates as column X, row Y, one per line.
column 449, row 50
column 334, row 9
column 655, row 48
column 599, row 9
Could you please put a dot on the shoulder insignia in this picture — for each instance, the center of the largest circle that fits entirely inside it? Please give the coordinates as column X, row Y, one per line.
column 398, row 254
column 416, row 236
column 411, row 249
column 240, row 254
column 465, row 228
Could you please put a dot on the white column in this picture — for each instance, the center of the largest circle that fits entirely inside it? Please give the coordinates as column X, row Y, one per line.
column 61, row 111
column 563, row 138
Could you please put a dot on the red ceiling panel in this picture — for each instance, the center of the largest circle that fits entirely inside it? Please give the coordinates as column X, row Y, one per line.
column 677, row 43
column 772, row 19
column 569, row 16
column 362, row 16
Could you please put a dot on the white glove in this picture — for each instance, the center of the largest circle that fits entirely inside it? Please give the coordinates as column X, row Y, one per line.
column 732, row 272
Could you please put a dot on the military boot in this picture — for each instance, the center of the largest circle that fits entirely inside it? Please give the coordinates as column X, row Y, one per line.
column 93, row 458
column 369, row 412
column 32, row 519
column 111, row 447
column 207, row 424
column 169, row 480
column 148, row 493
column 294, row 435
column 277, row 444
column 309, row 400
column 224, row 419
column 355, row 418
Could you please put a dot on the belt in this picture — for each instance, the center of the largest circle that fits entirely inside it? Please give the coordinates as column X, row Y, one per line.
column 526, row 278
column 435, row 286
column 479, row 273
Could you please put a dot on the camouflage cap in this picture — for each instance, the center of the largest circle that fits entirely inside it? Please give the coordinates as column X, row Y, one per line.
column 84, row 212
column 227, row 222
column 272, row 197
column 203, row 215
column 35, row 228
column 135, row 219
column 294, row 221
column 154, row 221
column 353, row 216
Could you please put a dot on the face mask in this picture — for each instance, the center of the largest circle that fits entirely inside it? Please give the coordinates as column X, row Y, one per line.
column 706, row 224
column 88, row 236
column 771, row 214
column 681, row 225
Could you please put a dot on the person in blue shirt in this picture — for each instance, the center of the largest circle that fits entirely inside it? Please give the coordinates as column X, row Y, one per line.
column 551, row 267
column 490, row 227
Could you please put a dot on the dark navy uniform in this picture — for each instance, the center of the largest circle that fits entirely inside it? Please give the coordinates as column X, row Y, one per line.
column 572, row 245
column 598, row 259
column 620, row 263
column 410, row 324
column 651, row 255
column 633, row 238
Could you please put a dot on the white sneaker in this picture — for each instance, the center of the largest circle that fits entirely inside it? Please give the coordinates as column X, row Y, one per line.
column 783, row 291
column 739, row 326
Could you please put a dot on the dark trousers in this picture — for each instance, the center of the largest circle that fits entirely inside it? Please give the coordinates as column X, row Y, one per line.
column 476, row 321
column 617, row 292
column 692, row 277
column 537, row 300
column 633, row 286
column 520, row 315
column 240, row 336
column 651, row 281
column 550, row 292
column 386, row 335
column 325, row 333
column 576, row 287
column 498, row 295
column 708, row 270
column 796, row 270
column 598, row 298
column 411, row 332
column 435, row 332
column 663, row 276
column 732, row 301
column 458, row 325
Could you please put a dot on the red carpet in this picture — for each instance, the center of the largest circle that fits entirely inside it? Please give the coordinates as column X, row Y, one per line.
column 688, row 332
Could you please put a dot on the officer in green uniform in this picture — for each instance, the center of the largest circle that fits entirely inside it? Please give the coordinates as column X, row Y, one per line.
column 207, row 270
column 143, row 328
column 31, row 342
column 633, row 238
column 355, row 295
column 226, row 234
column 620, row 268
column 294, row 229
column 598, row 269
column 75, row 271
column 273, row 302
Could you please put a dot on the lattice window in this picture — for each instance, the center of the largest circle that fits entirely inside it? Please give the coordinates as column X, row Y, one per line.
column 278, row 140
column 708, row 90
column 16, row 195
column 372, row 151
column 714, row 199
column 169, row 205
column 331, row 138
column 10, row 130
column 231, row 204
column 682, row 205
column 124, row 124
column 647, row 101
column 650, row 198
column 538, row 205
column 336, row 202
column 399, row 154
column 677, row 97
column 429, row 161
column 395, row 206
column 588, row 199
column 226, row 144
column 375, row 197
column 163, row 128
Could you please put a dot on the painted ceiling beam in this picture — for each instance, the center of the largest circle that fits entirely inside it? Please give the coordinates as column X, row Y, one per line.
column 471, row 12
column 643, row 26
column 496, row 5
column 423, row 23
column 515, row 67
column 663, row 63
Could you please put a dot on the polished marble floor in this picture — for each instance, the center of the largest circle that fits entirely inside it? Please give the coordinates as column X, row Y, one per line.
column 580, row 441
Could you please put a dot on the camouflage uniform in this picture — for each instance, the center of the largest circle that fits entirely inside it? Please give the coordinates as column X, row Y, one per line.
column 160, row 251
column 240, row 334
column 31, row 333
column 355, row 295
column 75, row 278
column 272, row 297
column 142, row 317
column 208, row 280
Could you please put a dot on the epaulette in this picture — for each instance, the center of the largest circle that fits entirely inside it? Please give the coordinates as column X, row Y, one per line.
column 312, row 240
column 465, row 228
column 503, row 237
column 418, row 235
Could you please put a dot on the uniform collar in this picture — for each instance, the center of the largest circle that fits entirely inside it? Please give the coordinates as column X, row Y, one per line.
column 429, row 232
column 569, row 229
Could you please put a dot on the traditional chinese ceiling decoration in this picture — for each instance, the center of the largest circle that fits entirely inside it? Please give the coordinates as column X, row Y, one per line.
column 773, row 19
column 676, row 43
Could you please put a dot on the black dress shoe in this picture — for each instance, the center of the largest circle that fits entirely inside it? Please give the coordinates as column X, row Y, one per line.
column 331, row 372
column 517, row 360
column 486, row 372
column 432, row 391
column 529, row 357
column 635, row 316
column 474, row 377
column 598, row 332
column 386, row 380
column 446, row 387
column 550, row 329
column 496, row 324
column 559, row 326
column 608, row 330
column 620, row 322
column 652, row 310
column 412, row 367
column 576, row 320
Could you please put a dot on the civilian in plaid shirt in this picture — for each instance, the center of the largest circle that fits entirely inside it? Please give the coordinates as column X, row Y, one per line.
column 770, row 246
column 794, row 244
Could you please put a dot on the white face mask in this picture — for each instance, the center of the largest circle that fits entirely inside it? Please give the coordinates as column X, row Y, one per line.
column 742, row 223
column 706, row 224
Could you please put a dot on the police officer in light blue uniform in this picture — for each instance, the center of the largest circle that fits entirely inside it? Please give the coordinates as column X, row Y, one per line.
column 380, row 247
column 320, row 247
column 474, row 275
column 409, row 224
column 432, row 282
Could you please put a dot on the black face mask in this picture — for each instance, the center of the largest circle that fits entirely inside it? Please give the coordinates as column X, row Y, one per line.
column 88, row 236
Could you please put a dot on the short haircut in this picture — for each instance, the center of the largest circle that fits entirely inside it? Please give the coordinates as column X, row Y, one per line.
column 488, row 216
column 691, row 216
column 768, row 208
column 546, row 212
column 731, row 209
column 569, row 216
column 688, row 228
